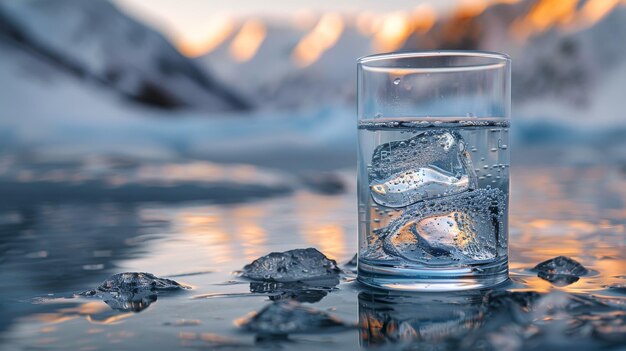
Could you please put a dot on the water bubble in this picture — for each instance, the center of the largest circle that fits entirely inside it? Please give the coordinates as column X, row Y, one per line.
column 396, row 81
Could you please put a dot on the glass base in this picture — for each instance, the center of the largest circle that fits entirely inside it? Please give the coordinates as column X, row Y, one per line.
column 420, row 278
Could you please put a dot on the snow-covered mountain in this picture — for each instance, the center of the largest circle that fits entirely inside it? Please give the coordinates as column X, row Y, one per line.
column 273, row 78
column 96, row 43
column 558, row 73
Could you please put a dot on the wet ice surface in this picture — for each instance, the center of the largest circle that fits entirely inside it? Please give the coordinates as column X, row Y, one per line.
column 426, row 166
column 65, row 248
column 137, row 281
column 132, row 291
column 291, row 266
column 560, row 270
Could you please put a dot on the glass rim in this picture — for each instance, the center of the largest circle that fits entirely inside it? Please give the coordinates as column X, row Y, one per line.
column 499, row 58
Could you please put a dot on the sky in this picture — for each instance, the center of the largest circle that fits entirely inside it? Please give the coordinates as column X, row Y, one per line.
column 188, row 22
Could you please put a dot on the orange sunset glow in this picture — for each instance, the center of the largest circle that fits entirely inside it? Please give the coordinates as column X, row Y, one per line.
column 389, row 31
column 322, row 37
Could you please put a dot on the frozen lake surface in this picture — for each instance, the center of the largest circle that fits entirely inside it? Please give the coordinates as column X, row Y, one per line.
column 52, row 250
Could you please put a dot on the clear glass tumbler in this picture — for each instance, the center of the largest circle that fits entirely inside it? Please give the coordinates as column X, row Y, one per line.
column 433, row 170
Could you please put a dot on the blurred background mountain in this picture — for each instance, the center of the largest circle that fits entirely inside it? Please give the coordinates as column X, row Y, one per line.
column 95, row 91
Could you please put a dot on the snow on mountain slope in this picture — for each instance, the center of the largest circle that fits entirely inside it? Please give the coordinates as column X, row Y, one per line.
column 95, row 41
column 563, row 68
column 273, row 77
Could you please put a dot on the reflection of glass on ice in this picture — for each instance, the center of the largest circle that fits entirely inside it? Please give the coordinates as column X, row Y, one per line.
column 426, row 321
column 433, row 191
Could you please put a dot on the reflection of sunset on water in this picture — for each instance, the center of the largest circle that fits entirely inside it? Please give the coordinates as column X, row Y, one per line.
column 319, row 226
column 249, row 231
column 575, row 212
column 592, row 233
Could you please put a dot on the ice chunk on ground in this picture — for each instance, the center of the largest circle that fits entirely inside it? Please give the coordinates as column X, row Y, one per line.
column 463, row 227
column 288, row 317
column 307, row 291
column 429, row 165
column 290, row 266
column 133, row 281
column 560, row 270
column 132, row 291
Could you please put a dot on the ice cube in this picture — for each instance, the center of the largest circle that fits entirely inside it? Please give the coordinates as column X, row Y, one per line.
column 560, row 270
column 429, row 165
column 287, row 317
column 291, row 266
column 463, row 227
column 132, row 291
column 135, row 282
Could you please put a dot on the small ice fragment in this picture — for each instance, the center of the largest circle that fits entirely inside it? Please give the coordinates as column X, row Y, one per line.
column 132, row 291
column 290, row 266
column 560, row 270
column 429, row 165
column 133, row 281
column 288, row 317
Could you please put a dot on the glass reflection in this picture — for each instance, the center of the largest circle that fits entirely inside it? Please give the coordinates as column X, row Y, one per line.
column 428, row 319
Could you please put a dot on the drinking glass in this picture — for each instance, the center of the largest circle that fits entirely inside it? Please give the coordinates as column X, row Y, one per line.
column 433, row 169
